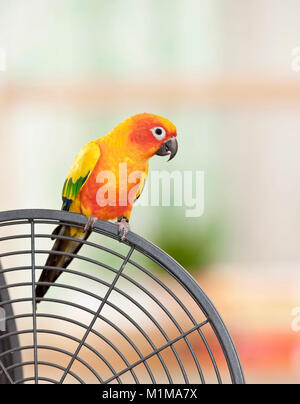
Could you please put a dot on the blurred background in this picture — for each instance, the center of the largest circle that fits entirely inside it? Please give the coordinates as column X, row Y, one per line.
column 224, row 73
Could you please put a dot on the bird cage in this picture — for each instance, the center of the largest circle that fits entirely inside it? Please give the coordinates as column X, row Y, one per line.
column 123, row 312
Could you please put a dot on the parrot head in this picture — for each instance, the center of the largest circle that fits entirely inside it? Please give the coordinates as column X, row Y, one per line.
column 150, row 134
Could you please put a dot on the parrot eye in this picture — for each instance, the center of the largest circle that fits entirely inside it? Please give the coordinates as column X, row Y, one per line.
column 159, row 133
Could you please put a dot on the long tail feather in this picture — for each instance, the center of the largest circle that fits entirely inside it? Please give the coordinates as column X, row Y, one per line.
column 58, row 260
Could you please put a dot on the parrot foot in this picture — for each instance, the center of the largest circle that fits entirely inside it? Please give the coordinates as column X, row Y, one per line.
column 90, row 224
column 123, row 227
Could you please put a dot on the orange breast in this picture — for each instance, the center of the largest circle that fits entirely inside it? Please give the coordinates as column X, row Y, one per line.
column 113, row 184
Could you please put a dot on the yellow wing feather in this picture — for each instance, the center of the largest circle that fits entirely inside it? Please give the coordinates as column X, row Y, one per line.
column 79, row 173
column 142, row 183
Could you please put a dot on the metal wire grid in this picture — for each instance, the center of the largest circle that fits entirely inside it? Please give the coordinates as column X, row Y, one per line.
column 137, row 366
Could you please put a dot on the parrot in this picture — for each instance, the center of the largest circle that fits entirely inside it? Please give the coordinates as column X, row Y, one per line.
column 130, row 145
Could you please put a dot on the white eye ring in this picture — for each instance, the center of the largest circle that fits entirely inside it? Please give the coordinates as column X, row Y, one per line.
column 159, row 133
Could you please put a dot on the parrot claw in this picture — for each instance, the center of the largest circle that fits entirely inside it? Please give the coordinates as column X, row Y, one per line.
column 123, row 228
column 91, row 223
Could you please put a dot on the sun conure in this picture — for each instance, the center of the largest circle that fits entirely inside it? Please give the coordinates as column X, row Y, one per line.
column 106, row 177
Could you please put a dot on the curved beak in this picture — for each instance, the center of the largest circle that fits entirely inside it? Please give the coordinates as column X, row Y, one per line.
column 170, row 147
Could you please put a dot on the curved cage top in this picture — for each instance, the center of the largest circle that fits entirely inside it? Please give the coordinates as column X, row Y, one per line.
column 121, row 313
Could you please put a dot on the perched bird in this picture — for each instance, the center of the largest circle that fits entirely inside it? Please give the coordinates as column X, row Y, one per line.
column 106, row 177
